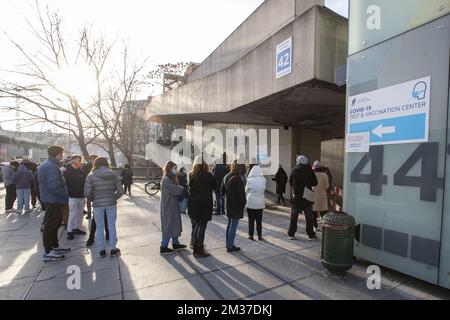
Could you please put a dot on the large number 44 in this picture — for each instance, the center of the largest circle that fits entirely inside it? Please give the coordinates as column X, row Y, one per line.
column 428, row 181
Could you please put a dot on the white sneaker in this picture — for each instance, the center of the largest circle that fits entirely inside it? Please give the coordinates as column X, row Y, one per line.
column 291, row 238
column 52, row 256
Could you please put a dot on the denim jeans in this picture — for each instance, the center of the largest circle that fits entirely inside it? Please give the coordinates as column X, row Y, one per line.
column 183, row 205
column 111, row 214
column 165, row 242
column 231, row 232
column 23, row 198
column 220, row 209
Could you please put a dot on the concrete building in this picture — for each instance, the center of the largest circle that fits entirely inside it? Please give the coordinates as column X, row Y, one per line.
column 275, row 71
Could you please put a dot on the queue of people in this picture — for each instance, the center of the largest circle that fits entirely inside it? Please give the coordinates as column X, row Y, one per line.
column 237, row 192
column 93, row 189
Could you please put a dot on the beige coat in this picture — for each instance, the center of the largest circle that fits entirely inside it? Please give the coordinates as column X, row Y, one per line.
column 320, row 192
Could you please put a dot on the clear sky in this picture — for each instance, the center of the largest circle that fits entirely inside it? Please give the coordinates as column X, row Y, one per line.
column 164, row 30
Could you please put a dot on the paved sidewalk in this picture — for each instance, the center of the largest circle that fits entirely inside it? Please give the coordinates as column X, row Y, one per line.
column 274, row 269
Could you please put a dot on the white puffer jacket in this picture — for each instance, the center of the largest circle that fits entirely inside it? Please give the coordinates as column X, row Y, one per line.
column 255, row 189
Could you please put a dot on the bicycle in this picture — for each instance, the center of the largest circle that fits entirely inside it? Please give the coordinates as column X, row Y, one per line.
column 152, row 187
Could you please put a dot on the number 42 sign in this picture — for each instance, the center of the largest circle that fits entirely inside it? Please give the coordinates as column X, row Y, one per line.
column 284, row 58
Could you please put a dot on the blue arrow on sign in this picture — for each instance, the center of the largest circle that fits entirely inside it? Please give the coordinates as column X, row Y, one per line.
column 405, row 129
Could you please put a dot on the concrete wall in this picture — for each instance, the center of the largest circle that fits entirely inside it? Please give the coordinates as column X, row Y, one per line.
column 269, row 18
column 331, row 44
column 332, row 156
column 252, row 77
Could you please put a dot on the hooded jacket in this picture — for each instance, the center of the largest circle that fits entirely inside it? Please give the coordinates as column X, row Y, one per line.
column 103, row 187
column 23, row 178
column 255, row 189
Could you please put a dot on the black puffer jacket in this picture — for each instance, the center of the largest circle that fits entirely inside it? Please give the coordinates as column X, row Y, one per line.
column 200, row 203
column 302, row 176
column 233, row 189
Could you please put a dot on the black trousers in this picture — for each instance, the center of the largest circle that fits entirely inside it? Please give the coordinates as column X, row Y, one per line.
column 11, row 196
column 309, row 219
column 33, row 194
column 52, row 222
column 199, row 230
column 255, row 215
column 280, row 198
column 127, row 187
column 94, row 228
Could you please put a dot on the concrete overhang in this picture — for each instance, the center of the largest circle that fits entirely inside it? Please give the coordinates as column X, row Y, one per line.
column 248, row 92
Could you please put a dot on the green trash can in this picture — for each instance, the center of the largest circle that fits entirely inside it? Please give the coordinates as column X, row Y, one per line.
column 337, row 242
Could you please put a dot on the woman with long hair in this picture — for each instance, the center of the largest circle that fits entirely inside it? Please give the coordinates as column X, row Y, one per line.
column 103, row 187
column 171, row 226
column 201, row 186
column 233, row 188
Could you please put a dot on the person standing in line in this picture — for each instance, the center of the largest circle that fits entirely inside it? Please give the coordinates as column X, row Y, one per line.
column 10, row 187
column 302, row 177
column 87, row 168
column 171, row 226
column 23, row 179
column 256, row 201
column 201, row 186
column 75, row 179
column 233, row 189
column 127, row 178
column 183, row 181
column 281, row 180
column 320, row 206
column 220, row 171
column 54, row 195
column 32, row 166
column 104, row 187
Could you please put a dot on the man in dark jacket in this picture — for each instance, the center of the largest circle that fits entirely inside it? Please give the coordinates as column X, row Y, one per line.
column 87, row 168
column 54, row 194
column 302, row 177
column 127, row 178
column 219, row 172
column 75, row 179
column 281, row 179
column 32, row 166
column 233, row 188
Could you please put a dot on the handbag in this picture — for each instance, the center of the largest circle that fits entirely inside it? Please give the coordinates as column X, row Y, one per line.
column 308, row 194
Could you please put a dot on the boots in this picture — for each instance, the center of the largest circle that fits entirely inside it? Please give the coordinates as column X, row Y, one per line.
column 200, row 253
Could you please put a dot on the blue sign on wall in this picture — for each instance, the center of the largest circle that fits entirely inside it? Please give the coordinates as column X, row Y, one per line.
column 284, row 58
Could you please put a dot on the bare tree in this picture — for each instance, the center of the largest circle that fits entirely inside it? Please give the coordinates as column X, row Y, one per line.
column 44, row 99
column 113, row 80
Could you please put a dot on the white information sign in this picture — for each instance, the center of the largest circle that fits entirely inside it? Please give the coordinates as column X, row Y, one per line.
column 392, row 115
column 358, row 142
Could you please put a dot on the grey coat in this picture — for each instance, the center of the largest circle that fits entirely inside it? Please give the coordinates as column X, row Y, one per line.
column 103, row 188
column 169, row 208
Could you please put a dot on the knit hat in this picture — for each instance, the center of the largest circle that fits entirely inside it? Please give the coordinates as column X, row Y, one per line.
column 302, row 160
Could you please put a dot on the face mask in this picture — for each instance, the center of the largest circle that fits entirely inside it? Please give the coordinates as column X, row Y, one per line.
column 174, row 171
